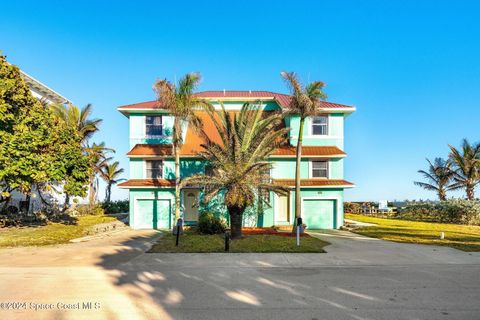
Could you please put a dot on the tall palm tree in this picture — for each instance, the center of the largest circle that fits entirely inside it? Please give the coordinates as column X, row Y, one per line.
column 98, row 159
column 240, row 169
column 304, row 103
column 467, row 167
column 439, row 177
column 180, row 101
column 110, row 173
column 78, row 118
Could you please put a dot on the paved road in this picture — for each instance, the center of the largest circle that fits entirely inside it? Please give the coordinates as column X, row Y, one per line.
column 359, row 278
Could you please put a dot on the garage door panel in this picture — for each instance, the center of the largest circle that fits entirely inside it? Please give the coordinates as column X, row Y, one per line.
column 318, row 214
column 152, row 214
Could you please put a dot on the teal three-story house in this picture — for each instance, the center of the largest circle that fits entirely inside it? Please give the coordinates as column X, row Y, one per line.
column 152, row 186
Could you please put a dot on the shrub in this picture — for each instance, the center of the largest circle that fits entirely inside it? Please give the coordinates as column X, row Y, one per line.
column 352, row 207
column 208, row 223
column 87, row 210
column 118, row 206
column 449, row 211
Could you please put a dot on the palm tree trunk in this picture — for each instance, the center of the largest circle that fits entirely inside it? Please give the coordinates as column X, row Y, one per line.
column 236, row 221
column 470, row 192
column 177, row 136
column 91, row 194
column 108, row 193
column 298, row 208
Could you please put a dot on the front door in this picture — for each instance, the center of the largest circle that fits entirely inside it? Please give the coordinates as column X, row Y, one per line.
column 190, row 203
column 282, row 209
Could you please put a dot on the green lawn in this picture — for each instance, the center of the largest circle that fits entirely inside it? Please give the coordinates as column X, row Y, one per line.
column 463, row 237
column 52, row 233
column 192, row 242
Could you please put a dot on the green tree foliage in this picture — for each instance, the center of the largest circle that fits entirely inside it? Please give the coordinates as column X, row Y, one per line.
column 110, row 173
column 180, row 101
column 466, row 163
column 439, row 177
column 36, row 148
column 239, row 160
column 304, row 103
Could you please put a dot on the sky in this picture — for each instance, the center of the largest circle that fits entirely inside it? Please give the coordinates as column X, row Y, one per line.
column 411, row 68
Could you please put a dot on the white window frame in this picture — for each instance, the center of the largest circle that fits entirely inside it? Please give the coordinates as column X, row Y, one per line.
column 145, row 163
column 145, row 127
column 311, row 169
column 327, row 126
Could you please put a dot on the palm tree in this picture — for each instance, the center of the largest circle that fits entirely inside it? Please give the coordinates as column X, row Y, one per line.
column 180, row 101
column 98, row 160
column 304, row 103
column 78, row 118
column 110, row 173
column 439, row 176
column 240, row 169
column 467, row 167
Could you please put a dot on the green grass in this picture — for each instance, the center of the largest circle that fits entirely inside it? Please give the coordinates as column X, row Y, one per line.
column 52, row 233
column 192, row 242
column 462, row 237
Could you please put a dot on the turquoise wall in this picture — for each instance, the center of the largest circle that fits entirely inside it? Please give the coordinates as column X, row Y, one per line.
column 285, row 168
column 188, row 167
column 335, row 131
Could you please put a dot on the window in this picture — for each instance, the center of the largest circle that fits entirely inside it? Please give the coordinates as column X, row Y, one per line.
column 153, row 126
column 154, row 169
column 319, row 169
column 320, row 126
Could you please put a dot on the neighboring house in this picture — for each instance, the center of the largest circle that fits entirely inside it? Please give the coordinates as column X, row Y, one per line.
column 49, row 96
column 151, row 184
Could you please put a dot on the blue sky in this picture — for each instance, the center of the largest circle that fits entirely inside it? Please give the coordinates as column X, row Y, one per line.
column 411, row 67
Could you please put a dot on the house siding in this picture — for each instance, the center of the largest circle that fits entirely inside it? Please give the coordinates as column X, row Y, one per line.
column 261, row 215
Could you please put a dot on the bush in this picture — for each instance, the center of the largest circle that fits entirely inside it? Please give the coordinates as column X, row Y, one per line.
column 208, row 223
column 352, row 207
column 87, row 210
column 118, row 206
column 450, row 211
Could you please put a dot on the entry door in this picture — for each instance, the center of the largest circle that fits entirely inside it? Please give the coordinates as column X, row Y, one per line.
column 282, row 208
column 190, row 198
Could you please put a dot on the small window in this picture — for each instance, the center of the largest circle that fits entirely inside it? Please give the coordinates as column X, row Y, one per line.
column 154, row 169
column 153, row 126
column 320, row 126
column 319, row 169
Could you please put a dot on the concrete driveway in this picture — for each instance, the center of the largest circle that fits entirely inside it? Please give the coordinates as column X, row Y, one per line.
column 359, row 278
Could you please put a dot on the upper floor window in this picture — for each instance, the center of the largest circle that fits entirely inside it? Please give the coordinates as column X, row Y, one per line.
column 319, row 169
column 320, row 126
column 154, row 169
column 153, row 126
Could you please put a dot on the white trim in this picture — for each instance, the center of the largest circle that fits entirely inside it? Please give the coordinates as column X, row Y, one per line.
column 319, row 138
column 310, row 129
column 336, row 223
column 146, row 187
column 326, row 187
column 310, row 170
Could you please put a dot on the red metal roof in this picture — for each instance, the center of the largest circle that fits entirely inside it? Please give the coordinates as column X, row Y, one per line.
column 282, row 99
column 162, row 150
column 314, row 183
column 149, row 183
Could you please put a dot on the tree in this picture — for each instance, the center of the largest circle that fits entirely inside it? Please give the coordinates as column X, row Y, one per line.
column 78, row 118
column 240, row 168
column 36, row 149
column 98, row 159
column 181, row 103
column 304, row 103
column 439, row 177
column 466, row 163
column 111, row 173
